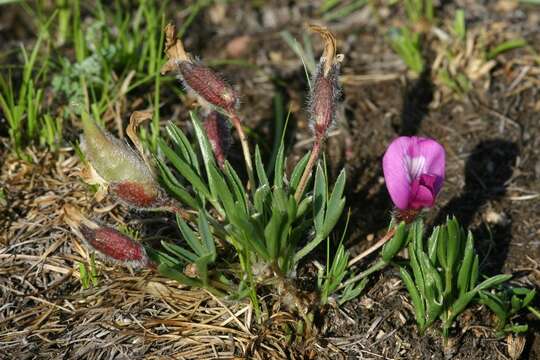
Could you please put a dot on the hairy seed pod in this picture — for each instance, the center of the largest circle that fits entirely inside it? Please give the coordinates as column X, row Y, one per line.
column 324, row 95
column 208, row 85
column 325, row 91
column 219, row 134
column 116, row 246
column 129, row 177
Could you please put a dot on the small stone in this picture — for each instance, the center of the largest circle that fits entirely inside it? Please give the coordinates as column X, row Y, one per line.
column 238, row 46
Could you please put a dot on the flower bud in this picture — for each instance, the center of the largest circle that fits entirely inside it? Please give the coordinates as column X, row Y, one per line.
column 116, row 246
column 219, row 134
column 128, row 176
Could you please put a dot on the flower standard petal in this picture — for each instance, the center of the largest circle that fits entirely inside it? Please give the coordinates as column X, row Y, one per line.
column 396, row 171
column 435, row 157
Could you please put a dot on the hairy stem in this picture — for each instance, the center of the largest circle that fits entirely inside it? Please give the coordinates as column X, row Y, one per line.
column 374, row 247
column 309, row 167
column 235, row 119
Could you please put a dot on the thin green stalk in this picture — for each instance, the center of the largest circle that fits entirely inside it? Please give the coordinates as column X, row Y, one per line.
column 379, row 265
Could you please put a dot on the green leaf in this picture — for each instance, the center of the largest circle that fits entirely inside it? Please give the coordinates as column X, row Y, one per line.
column 320, row 198
column 417, row 270
column 298, row 170
column 272, row 232
column 392, row 247
column 459, row 305
column 529, row 297
column 515, row 303
column 178, row 276
column 517, row 328
column 179, row 251
column 85, row 278
column 432, row 245
column 441, row 246
column 418, row 304
column 304, row 206
column 431, row 275
column 204, row 144
column 493, row 281
column 495, row 304
column 259, row 199
column 221, row 189
column 333, row 215
column 202, row 267
column 474, row 273
column 206, row 236
column 466, row 266
column 453, row 245
column 307, row 248
column 534, row 311
column 505, row 47
column 180, row 139
column 261, row 173
column 162, row 257
column 236, row 184
column 190, row 237
column 174, row 186
column 185, row 170
column 279, row 168
column 459, row 27
column 352, row 291
column 253, row 237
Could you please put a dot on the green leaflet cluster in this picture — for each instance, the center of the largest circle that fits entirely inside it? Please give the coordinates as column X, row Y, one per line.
column 268, row 228
column 445, row 274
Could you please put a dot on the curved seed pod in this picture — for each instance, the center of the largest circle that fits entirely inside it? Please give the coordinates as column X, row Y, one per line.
column 128, row 176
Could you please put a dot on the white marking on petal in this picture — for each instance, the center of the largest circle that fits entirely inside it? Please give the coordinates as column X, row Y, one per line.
column 415, row 166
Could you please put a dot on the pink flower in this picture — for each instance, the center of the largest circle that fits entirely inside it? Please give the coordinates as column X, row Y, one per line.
column 414, row 171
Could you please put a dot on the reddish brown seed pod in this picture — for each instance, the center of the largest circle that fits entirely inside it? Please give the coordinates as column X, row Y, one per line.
column 137, row 195
column 325, row 91
column 323, row 100
column 219, row 134
column 208, row 85
column 116, row 246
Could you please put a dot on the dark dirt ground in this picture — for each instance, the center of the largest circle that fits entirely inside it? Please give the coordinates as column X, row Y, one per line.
column 492, row 138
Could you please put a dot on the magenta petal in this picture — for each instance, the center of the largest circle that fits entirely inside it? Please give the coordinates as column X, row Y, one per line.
column 435, row 157
column 422, row 192
column 396, row 173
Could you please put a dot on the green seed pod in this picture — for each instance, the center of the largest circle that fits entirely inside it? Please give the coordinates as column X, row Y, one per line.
column 130, row 179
